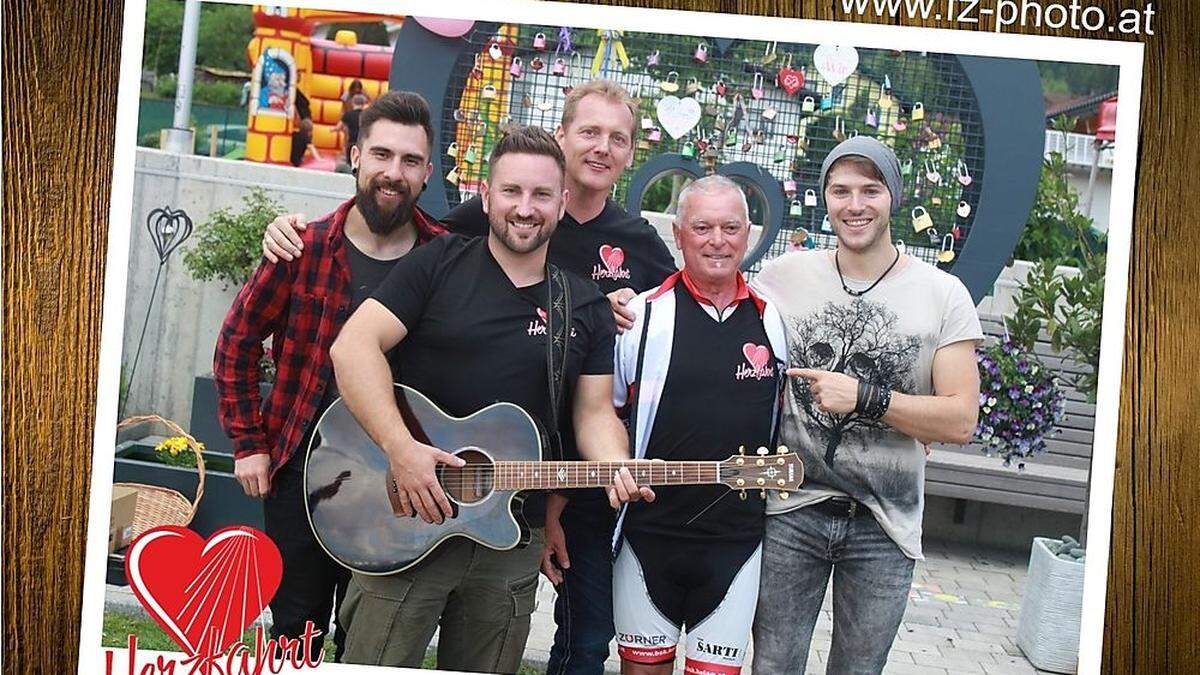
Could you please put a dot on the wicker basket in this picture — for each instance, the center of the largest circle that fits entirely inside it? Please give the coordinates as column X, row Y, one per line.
column 159, row 505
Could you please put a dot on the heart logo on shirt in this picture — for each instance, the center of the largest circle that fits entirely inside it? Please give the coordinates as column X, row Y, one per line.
column 757, row 355
column 612, row 257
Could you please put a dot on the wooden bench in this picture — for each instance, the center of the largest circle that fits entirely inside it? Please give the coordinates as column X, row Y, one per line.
column 1055, row 480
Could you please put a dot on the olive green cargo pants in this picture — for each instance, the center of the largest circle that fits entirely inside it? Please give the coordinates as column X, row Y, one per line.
column 480, row 598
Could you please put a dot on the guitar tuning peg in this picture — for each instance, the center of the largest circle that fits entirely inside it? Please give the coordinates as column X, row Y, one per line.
column 741, row 449
column 742, row 494
column 763, row 451
column 762, row 493
column 782, row 450
column 784, row 495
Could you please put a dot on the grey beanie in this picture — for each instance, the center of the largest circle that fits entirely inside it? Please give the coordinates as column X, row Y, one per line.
column 879, row 154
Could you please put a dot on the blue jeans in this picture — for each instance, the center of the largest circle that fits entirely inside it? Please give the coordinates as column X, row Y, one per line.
column 584, row 609
column 871, row 581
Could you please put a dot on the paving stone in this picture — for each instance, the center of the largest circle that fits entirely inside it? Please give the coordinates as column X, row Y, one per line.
column 953, row 664
column 906, row 669
column 903, row 645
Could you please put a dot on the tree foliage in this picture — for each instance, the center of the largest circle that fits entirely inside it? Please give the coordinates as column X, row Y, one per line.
column 228, row 244
column 224, row 32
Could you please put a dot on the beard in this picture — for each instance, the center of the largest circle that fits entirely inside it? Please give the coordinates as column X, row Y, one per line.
column 506, row 236
column 382, row 221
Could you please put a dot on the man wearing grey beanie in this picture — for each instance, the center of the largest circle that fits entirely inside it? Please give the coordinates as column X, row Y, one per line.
column 882, row 360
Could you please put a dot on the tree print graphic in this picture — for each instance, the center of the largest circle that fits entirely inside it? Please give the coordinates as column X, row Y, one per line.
column 857, row 339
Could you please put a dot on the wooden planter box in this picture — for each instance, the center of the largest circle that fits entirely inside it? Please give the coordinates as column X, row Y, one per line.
column 1048, row 630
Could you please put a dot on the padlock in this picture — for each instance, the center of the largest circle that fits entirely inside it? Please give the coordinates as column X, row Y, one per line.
column 780, row 155
column 935, row 200
column 495, row 52
column 731, row 136
column 655, row 135
column 769, row 113
column 900, row 246
column 539, row 41
column 643, row 144
column 488, row 91
column 934, row 143
column 872, row 118
column 652, row 59
column 918, row 112
column 747, row 145
column 452, row 149
column 536, row 63
column 933, row 236
column 825, row 226
column 670, row 83
column 956, row 231
column 921, row 219
column 647, row 123
column 689, row 150
column 515, row 68
column 947, row 253
column 810, row 197
column 470, row 155
column 477, row 69
column 963, row 175
column 560, row 67
column 932, row 174
column 720, row 88
column 789, row 187
column 452, row 176
column 900, row 124
column 906, row 168
column 756, row 89
column 797, row 208
column 963, row 210
column 693, row 85
column 839, row 130
column 701, row 54
column 826, row 102
column 809, row 104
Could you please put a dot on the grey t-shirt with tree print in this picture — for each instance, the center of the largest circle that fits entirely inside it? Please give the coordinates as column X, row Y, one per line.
column 889, row 337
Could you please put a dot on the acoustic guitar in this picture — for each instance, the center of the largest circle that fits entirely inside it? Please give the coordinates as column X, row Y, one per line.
column 354, row 510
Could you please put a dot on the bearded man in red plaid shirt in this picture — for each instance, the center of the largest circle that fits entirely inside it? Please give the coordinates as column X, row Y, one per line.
column 301, row 305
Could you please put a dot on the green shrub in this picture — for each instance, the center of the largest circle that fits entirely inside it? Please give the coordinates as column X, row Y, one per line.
column 228, row 245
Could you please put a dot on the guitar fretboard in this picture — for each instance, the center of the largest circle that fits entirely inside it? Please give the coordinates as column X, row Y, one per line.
column 555, row 475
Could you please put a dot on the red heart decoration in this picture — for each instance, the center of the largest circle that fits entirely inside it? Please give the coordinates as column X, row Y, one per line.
column 612, row 257
column 791, row 80
column 204, row 593
column 757, row 355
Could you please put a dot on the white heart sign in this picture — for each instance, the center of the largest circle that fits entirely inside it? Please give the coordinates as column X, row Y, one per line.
column 835, row 63
column 678, row 115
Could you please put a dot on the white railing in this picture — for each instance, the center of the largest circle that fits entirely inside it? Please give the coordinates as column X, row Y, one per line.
column 1077, row 149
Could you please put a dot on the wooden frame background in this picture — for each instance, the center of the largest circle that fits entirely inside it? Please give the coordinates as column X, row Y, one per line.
column 61, row 70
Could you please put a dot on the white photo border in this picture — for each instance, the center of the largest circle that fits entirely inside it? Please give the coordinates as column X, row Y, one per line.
column 1128, row 56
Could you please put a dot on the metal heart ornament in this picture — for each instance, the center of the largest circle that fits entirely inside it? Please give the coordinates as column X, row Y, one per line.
column 835, row 63
column 168, row 229
column 677, row 115
column 204, row 593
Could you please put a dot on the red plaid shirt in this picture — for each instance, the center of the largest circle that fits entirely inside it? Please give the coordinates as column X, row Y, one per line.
column 302, row 305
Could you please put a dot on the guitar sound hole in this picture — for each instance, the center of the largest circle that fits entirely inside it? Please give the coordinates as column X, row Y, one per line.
column 470, row 483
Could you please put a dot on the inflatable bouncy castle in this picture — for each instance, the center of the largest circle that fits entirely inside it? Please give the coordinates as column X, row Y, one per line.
column 296, row 74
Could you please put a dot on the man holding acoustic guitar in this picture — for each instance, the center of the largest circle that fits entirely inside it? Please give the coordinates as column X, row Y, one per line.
column 481, row 320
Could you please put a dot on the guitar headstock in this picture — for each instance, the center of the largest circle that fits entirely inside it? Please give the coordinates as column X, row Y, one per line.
column 782, row 471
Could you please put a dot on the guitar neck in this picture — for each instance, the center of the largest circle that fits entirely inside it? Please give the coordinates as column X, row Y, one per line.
column 561, row 475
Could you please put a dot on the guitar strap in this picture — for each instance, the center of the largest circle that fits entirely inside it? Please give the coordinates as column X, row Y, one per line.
column 558, row 343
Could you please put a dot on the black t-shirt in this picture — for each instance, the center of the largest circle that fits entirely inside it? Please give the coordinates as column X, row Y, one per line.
column 475, row 339
column 350, row 121
column 715, row 399
column 614, row 249
column 366, row 273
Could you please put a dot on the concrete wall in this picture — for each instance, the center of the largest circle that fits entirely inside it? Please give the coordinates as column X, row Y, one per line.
column 187, row 314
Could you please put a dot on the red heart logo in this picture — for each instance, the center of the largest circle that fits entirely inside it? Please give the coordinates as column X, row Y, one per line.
column 612, row 257
column 204, row 593
column 757, row 355
column 791, row 80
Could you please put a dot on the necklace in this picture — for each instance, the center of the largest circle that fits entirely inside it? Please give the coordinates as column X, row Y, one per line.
column 866, row 290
